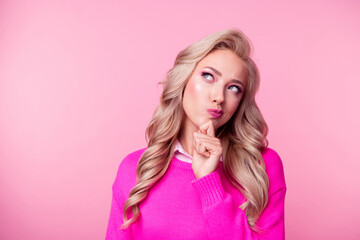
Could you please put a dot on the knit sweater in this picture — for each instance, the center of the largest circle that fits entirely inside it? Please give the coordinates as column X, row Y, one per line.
column 179, row 206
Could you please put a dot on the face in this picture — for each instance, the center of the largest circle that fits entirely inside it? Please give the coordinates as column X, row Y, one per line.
column 214, row 89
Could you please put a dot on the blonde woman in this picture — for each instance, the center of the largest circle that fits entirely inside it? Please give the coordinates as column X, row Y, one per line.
column 207, row 172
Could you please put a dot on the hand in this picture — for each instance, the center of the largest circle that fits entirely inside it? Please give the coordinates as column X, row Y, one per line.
column 207, row 150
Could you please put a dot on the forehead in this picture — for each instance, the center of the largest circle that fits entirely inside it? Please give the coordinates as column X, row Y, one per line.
column 225, row 61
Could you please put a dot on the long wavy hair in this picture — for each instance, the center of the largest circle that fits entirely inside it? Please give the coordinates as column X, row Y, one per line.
column 243, row 137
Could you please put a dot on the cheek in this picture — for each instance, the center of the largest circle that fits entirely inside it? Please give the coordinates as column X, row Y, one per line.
column 194, row 101
column 233, row 106
column 194, row 92
column 236, row 105
column 195, row 89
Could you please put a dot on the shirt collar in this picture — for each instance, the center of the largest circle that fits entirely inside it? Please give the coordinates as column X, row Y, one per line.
column 179, row 148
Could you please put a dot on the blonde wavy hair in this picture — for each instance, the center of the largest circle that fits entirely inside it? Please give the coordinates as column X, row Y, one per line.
column 243, row 137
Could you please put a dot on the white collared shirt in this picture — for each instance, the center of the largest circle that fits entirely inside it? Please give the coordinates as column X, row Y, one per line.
column 181, row 154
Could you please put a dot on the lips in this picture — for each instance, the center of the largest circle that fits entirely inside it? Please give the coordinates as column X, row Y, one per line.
column 215, row 113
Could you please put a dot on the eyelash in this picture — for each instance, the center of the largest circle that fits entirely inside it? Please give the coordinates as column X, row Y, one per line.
column 206, row 73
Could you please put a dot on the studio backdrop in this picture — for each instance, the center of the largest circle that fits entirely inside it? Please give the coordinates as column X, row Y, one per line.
column 79, row 84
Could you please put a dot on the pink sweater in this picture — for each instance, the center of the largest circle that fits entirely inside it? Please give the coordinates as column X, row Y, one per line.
column 179, row 206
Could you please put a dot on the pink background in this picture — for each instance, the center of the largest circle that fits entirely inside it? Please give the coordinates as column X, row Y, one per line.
column 78, row 86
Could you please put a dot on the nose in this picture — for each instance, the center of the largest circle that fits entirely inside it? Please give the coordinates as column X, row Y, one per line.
column 217, row 95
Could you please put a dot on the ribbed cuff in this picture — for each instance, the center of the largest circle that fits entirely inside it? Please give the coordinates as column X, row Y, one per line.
column 209, row 188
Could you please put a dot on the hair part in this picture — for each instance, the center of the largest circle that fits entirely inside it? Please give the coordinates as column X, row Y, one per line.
column 243, row 137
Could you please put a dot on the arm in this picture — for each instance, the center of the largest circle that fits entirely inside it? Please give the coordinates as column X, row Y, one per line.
column 224, row 220
column 116, row 218
column 125, row 178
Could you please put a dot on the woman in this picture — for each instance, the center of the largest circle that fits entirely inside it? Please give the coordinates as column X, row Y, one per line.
column 207, row 172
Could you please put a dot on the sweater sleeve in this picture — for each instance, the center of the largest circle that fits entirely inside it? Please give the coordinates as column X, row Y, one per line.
column 116, row 218
column 225, row 220
column 125, row 179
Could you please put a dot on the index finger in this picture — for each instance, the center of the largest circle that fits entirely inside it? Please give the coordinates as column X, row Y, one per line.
column 208, row 128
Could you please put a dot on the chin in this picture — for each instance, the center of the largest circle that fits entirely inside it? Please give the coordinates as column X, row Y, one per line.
column 216, row 123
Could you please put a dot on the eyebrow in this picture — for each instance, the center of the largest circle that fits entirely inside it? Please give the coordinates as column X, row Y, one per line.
column 219, row 73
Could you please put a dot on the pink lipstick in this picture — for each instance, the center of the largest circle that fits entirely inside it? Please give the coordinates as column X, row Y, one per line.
column 215, row 113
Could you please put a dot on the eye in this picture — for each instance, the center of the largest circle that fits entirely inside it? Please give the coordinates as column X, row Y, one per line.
column 235, row 89
column 207, row 76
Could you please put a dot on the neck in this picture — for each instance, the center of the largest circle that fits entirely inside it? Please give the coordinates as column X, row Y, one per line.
column 186, row 136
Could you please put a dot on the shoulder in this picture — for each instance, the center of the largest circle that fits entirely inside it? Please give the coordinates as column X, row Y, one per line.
column 126, row 173
column 272, row 159
column 130, row 161
column 274, row 169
